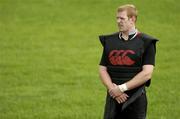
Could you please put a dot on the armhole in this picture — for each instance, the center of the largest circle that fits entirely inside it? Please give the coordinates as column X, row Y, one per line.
column 146, row 44
column 102, row 40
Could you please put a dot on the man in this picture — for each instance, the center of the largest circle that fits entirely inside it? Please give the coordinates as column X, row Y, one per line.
column 126, row 66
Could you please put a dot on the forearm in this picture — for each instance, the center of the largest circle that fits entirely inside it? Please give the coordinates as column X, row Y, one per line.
column 105, row 78
column 112, row 88
column 141, row 78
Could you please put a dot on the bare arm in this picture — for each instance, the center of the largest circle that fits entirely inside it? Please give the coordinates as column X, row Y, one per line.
column 138, row 80
column 141, row 78
column 105, row 78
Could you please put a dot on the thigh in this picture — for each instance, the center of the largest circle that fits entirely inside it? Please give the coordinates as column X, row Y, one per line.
column 111, row 108
column 138, row 109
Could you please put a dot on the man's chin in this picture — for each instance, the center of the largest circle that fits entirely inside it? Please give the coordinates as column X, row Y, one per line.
column 121, row 30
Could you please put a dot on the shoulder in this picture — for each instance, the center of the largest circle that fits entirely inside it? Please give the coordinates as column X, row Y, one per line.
column 147, row 37
column 109, row 35
column 105, row 37
column 148, row 40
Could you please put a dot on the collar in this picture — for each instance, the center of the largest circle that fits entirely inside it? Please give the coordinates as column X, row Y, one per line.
column 133, row 33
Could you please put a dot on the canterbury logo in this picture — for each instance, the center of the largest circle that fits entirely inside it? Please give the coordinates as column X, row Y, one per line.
column 119, row 57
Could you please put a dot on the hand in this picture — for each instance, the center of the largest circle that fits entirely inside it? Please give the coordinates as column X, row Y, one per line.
column 115, row 92
column 122, row 98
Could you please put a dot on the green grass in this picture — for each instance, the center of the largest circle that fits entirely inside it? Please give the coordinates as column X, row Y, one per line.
column 49, row 55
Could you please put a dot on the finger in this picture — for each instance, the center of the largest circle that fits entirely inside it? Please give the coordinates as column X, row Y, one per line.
column 126, row 95
column 118, row 100
column 123, row 99
column 110, row 92
column 112, row 95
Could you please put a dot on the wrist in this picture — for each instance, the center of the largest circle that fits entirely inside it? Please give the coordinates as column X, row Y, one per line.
column 123, row 87
column 110, row 87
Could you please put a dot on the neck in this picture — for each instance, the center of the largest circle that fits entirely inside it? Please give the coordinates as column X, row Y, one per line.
column 129, row 32
column 132, row 30
column 125, row 34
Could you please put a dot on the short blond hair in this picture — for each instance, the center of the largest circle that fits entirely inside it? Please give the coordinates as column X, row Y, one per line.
column 130, row 8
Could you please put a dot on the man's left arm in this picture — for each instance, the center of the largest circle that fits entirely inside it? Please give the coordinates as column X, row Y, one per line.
column 141, row 78
column 138, row 80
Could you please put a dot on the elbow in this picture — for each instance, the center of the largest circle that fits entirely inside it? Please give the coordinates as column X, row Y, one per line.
column 102, row 69
column 147, row 72
column 147, row 75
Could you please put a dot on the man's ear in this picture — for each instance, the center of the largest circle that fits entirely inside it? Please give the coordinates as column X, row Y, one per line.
column 133, row 19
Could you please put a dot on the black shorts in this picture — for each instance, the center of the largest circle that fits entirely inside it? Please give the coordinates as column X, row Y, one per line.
column 136, row 110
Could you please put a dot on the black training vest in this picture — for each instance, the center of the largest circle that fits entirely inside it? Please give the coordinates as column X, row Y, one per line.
column 125, row 58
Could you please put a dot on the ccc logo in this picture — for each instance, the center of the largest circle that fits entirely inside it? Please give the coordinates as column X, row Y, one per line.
column 119, row 57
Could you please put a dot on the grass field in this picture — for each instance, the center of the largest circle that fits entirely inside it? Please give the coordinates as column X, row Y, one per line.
column 49, row 55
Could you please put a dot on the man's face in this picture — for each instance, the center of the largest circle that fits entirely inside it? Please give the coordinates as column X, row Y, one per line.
column 124, row 23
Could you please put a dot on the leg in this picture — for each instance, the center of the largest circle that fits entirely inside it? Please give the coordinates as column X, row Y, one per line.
column 137, row 110
column 110, row 110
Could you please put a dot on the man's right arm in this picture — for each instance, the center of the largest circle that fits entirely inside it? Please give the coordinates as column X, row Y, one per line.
column 105, row 78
